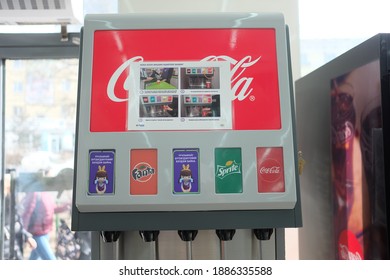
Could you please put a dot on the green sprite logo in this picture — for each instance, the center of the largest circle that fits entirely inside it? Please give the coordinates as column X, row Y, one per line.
column 230, row 167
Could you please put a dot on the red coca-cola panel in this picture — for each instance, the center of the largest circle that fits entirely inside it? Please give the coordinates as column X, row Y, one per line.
column 250, row 52
column 270, row 169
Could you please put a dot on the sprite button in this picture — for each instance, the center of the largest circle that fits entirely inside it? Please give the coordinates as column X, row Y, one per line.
column 228, row 170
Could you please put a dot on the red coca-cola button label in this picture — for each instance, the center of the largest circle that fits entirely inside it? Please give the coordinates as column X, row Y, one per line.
column 270, row 173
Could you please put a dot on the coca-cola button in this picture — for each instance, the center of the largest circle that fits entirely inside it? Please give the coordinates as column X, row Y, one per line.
column 270, row 170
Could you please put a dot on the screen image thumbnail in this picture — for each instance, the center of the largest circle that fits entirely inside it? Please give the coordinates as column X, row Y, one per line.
column 202, row 105
column 158, row 106
column 199, row 78
column 158, row 78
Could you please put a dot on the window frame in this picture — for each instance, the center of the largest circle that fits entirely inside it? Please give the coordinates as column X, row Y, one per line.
column 27, row 46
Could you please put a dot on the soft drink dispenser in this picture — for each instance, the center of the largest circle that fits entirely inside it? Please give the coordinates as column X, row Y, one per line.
column 187, row 150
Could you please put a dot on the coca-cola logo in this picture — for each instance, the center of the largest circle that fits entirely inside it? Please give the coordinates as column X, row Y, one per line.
column 270, row 170
column 241, row 85
column 346, row 254
column 349, row 247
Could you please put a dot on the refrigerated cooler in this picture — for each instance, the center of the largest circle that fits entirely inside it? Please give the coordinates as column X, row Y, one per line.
column 191, row 141
column 342, row 130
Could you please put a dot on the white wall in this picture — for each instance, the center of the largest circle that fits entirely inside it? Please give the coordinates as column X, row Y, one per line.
column 288, row 7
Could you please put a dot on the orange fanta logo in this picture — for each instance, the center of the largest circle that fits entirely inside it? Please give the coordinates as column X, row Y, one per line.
column 142, row 172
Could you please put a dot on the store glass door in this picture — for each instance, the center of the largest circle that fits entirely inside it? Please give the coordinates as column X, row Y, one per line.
column 40, row 97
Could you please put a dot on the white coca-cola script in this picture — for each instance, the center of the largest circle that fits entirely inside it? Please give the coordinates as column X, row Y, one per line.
column 238, row 69
column 270, row 170
column 345, row 254
column 241, row 85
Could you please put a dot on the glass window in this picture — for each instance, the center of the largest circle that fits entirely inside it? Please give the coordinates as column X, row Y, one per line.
column 39, row 156
column 329, row 28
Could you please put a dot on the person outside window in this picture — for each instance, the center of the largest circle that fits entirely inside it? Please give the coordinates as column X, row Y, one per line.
column 39, row 210
column 21, row 235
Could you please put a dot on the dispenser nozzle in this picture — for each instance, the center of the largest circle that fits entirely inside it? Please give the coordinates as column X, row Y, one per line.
column 187, row 235
column 263, row 233
column 225, row 234
column 149, row 235
column 110, row 236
